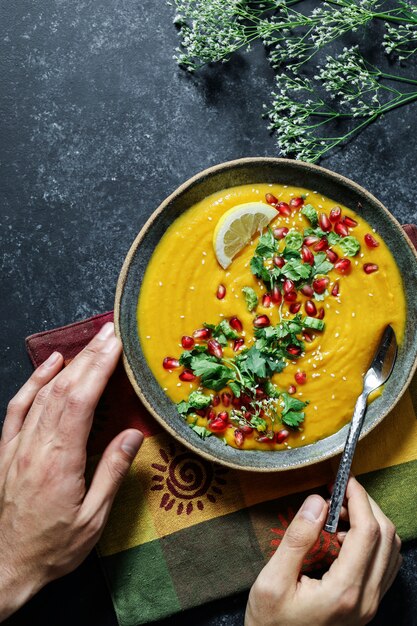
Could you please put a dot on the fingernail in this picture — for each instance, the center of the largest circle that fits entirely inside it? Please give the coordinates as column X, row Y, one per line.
column 312, row 508
column 132, row 442
column 52, row 359
column 106, row 331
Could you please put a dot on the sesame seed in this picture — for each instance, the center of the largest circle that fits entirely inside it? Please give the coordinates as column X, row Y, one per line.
column 165, row 388
column 332, row 375
column 344, row 378
column 320, row 206
column 202, row 261
column 160, row 284
column 353, row 314
column 227, row 274
column 204, row 253
column 182, row 317
column 337, row 312
column 209, row 218
column 315, row 408
column 178, row 384
column 303, row 437
column 333, row 396
column 336, row 335
column 192, row 287
column 148, row 336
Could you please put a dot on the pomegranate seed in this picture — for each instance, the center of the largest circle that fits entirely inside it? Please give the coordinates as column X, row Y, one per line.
column 236, row 402
column 214, row 348
column 310, row 308
column 278, row 261
column 370, row 268
column 246, row 429
column 221, row 292
column 216, row 400
column 295, row 307
column 266, row 300
column 223, row 415
column 245, row 399
column 300, row 378
column 349, row 222
column 260, row 393
column 262, row 321
column 307, row 255
column 201, row 412
column 237, row 344
column 294, row 350
column 307, row 337
column 226, row 398
column 370, row 241
column 239, row 437
column 169, row 363
column 271, row 199
column 248, row 415
column 324, row 222
column 307, row 290
column 283, row 208
column 323, row 244
column 187, row 376
column 335, row 289
column 320, row 284
column 276, row 295
column 288, row 285
column 308, row 241
column 217, row 425
column 342, row 266
column 211, row 414
column 236, row 324
column 335, row 214
column 295, row 203
column 332, row 256
column 279, row 233
column 202, row 333
column 264, row 439
column 282, row 435
column 341, row 229
column 291, row 296
column 320, row 314
column 292, row 389
column 187, row 342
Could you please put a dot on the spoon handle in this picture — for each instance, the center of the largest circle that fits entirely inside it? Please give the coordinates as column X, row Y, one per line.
column 342, row 477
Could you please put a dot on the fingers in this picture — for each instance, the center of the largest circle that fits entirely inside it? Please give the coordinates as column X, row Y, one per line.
column 109, row 474
column 79, row 388
column 21, row 403
column 391, row 574
column 299, row 538
column 359, row 544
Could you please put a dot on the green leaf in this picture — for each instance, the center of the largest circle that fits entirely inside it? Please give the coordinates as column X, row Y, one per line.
column 183, row 407
column 225, row 329
column 291, row 403
column 270, row 389
column 267, row 245
column 198, row 400
column 258, row 269
column 275, row 362
column 213, row 374
column 235, row 388
column 311, row 214
column 313, row 323
column 293, row 419
column 333, row 238
column 201, row 431
column 318, row 232
column 293, row 240
column 187, row 356
column 255, row 362
column 321, row 264
column 258, row 423
column 350, row 245
column 250, row 297
column 296, row 270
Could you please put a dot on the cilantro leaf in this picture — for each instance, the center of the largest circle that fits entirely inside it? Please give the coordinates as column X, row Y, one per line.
column 201, row 431
column 183, row 407
column 254, row 363
column 271, row 390
column 291, row 403
column 258, row 269
column 293, row 240
column 213, row 374
column 314, row 323
column 258, row 423
column 187, row 356
column 235, row 388
column 333, row 238
column 296, row 270
column 267, row 245
column 318, row 232
column 321, row 264
column 251, row 298
column 311, row 214
column 350, row 245
column 293, row 419
column 198, row 400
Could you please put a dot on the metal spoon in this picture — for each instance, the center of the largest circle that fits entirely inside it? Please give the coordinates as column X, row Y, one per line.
column 378, row 373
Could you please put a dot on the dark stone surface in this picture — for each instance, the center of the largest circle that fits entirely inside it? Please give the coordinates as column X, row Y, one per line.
column 98, row 126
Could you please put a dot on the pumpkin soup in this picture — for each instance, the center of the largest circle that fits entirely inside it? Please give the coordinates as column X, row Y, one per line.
column 266, row 347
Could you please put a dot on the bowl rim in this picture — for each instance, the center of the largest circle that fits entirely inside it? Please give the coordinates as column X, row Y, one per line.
column 196, row 178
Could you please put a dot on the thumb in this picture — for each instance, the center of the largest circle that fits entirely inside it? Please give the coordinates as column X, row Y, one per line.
column 110, row 472
column 299, row 538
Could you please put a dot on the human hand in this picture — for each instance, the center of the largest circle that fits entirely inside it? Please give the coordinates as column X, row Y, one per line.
column 49, row 521
column 349, row 593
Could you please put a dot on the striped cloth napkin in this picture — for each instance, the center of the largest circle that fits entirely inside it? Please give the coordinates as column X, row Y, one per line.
column 184, row 531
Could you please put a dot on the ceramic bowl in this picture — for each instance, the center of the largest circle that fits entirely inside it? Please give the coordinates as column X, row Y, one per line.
column 241, row 172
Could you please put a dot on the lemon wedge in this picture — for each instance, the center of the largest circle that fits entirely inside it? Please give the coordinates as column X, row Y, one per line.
column 236, row 228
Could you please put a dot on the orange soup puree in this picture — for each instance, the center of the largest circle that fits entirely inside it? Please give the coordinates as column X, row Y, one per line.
column 180, row 294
